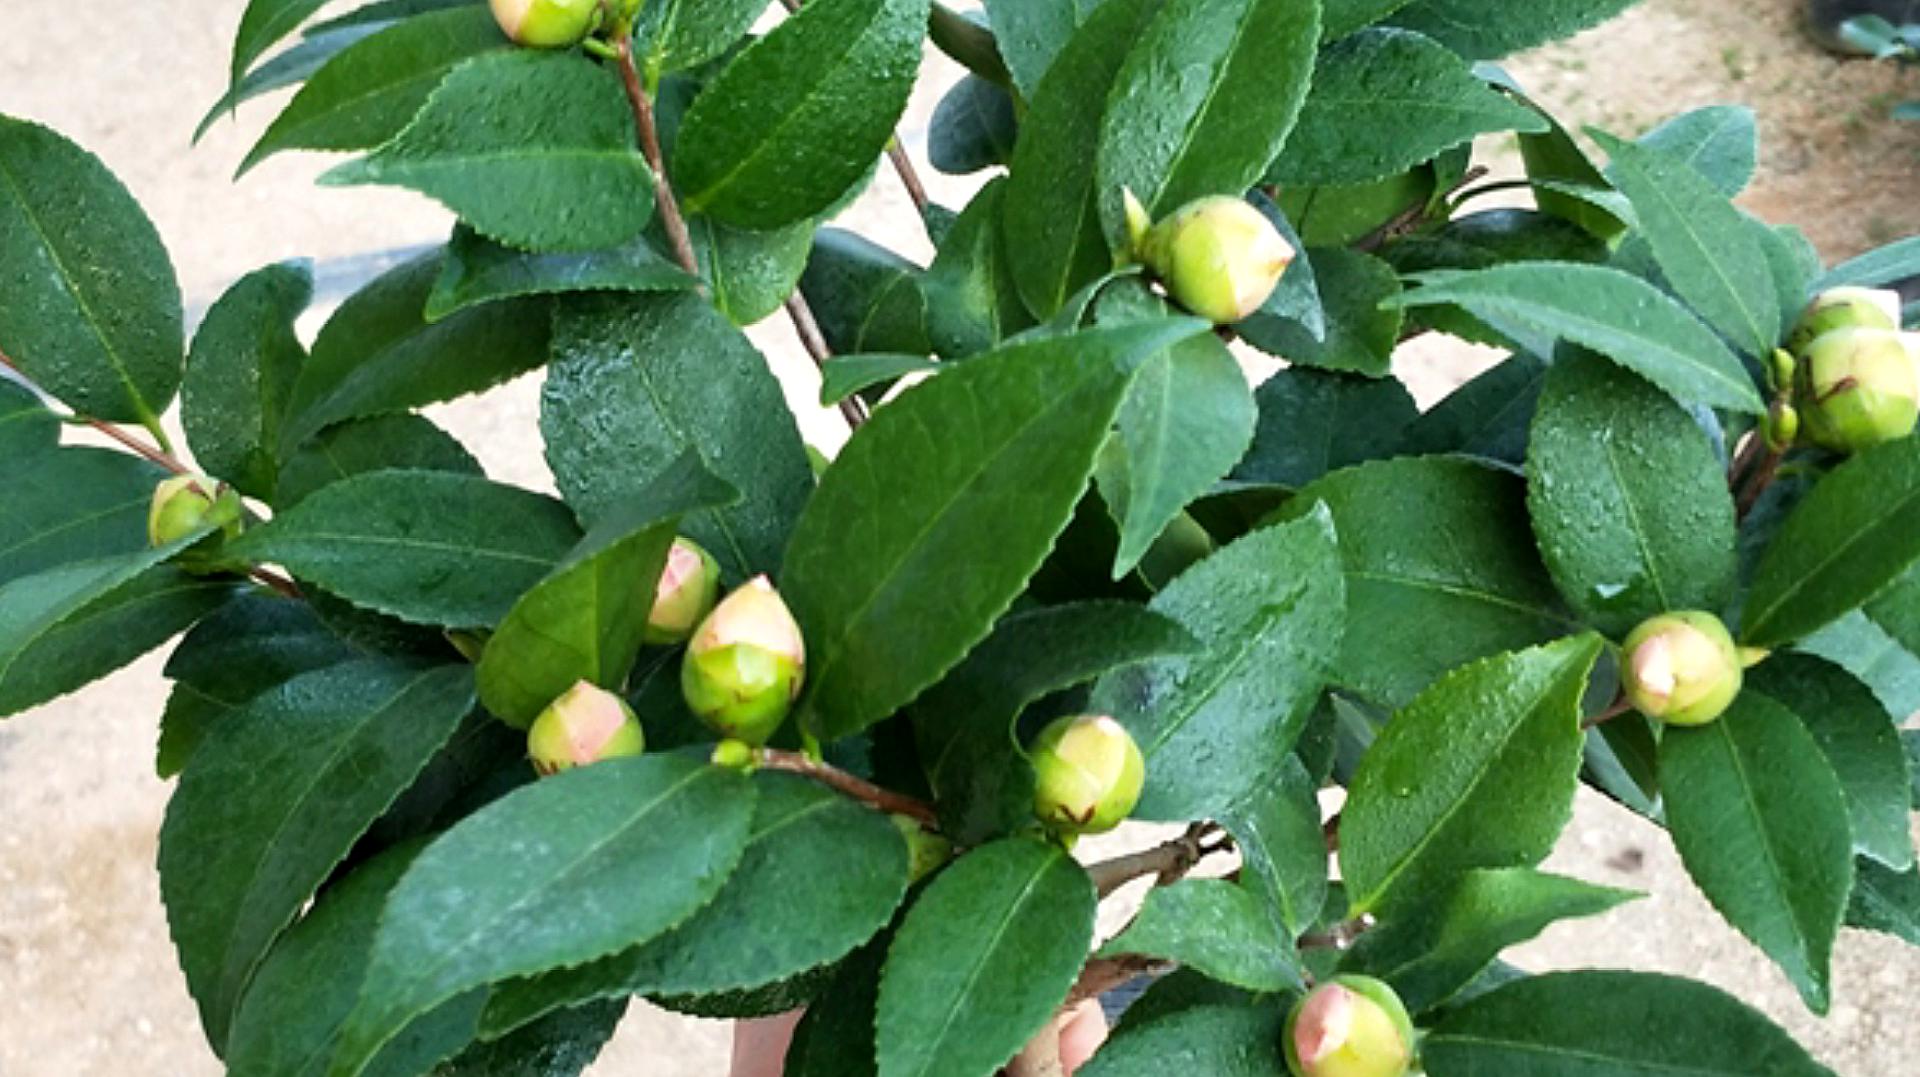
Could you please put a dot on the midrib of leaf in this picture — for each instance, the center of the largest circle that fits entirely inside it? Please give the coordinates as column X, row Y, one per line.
column 1774, row 872
column 1685, row 230
column 36, row 537
column 73, row 289
column 1834, row 553
column 1870, row 896
column 297, row 125
column 278, row 25
column 1635, row 526
column 1440, row 110
column 979, row 963
column 1206, row 104
column 1459, row 591
column 96, row 589
column 1453, row 808
column 719, row 517
column 1604, row 1060
column 489, row 552
column 1248, row 642
column 403, row 165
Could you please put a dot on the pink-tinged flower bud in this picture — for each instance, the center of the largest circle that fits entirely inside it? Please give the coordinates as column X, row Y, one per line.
column 746, row 664
column 688, row 588
column 584, row 726
column 1219, row 257
column 1681, row 668
column 1351, row 1026
column 1858, row 388
column 1087, row 775
column 547, row 24
column 1845, row 308
column 186, row 503
column 927, row 851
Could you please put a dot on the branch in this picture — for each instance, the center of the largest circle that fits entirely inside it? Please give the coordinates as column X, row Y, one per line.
column 1762, row 478
column 1103, row 974
column 858, row 788
column 276, row 581
column 1619, row 707
column 1340, row 936
column 1170, row 862
column 153, row 454
column 808, row 329
column 643, row 122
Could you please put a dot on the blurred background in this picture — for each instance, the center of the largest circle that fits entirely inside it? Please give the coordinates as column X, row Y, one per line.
column 88, row 980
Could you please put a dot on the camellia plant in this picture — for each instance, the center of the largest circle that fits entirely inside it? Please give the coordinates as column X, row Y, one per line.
column 464, row 767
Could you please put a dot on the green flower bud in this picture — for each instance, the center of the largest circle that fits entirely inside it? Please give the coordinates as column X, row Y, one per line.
column 733, row 755
column 547, row 24
column 1681, row 668
column 1219, row 257
column 746, row 664
column 688, row 588
column 186, row 503
column 1781, row 428
column 1087, row 775
column 1350, row 1026
column 1845, row 308
column 584, row 726
column 1858, row 388
column 927, row 852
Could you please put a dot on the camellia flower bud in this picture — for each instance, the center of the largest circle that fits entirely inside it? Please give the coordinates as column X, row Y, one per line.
column 186, row 503
column 1858, row 388
column 1219, row 257
column 746, row 664
column 1087, row 775
column 1845, row 308
column 1681, row 668
column 585, row 725
column 688, row 588
column 927, row 852
column 1350, row 1026
column 547, row 24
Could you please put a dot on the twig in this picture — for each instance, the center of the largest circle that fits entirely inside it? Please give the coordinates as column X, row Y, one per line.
column 1619, row 707
column 1340, row 936
column 808, row 329
column 153, row 454
column 1404, row 221
column 643, row 122
column 1041, row 1056
column 1762, row 478
column 1170, row 861
column 1330, row 832
column 858, row 788
column 1103, row 974
column 276, row 581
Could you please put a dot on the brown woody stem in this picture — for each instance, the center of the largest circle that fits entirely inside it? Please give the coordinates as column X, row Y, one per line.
column 858, row 788
column 808, row 329
column 1620, row 706
column 649, row 131
column 153, row 454
column 1169, row 862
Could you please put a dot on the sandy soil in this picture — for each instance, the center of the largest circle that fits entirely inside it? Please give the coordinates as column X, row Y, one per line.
column 88, row 983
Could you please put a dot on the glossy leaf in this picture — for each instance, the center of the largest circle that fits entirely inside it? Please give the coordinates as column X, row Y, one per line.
column 478, row 270
column 674, row 35
column 630, row 847
column 797, row 118
column 973, row 128
column 639, row 380
column 1761, row 825
column 27, row 428
column 1313, row 422
column 1363, row 318
column 267, row 809
column 1423, row 606
column 1031, row 33
column 1478, row 772
column 1876, row 268
column 240, row 375
column 74, row 504
column 263, row 24
column 1214, row 726
column 1629, row 501
column 1886, row 901
column 89, row 304
column 973, row 301
column 1216, row 927
column 983, row 959
column 385, row 443
column 1721, row 142
column 1490, row 417
column 1283, row 848
column 1490, row 29
column 1611, row 312
column 749, row 273
column 998, row 450
column 1386, row 100
column 290, row 67
column 835, row 1037
column 424, row 546
column 865, row 297
column 845, row 375
column 1217, row 1040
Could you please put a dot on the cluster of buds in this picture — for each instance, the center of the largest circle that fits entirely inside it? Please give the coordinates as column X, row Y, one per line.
column 1855, row 374
column 1350, row 1026
column 1681, row 668
column 184, row 504
column 588, row 724
column 746, row 665
column 1218, row 257
column 560, row 24
column 1087, row 774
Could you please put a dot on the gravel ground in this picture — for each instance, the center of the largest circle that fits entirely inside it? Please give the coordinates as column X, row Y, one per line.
column 88, row 981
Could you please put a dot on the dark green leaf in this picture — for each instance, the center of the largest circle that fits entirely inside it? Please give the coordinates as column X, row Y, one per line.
column 1051, row 218
column 292, row 67
column 378, row 354
column 1496, row 236
column 1704, row 246
column 1440, row 571
column 561, row 1044
column 240, row 375
column 1876, row 268
column 1207, row 96
column 674, row 35
column 1429, row 951
column 835, row 1038
column 628, row 848
column 845, row 375
column 1854, row 535
column 971, row 476
column 1030, row 33
column 984, row 958
column 267, row 809
column 1297, row 296
column 639, row 380
column 1217, row 1040
column 1360, row 294
column 1490, row 29
column 385, row 443
column 1386, row 100
column 89, row 305
column 1490, row 417
column 1629, row 501
column 74, row 504
column 1343, row 17
column 1313, row 422
column 973, row 302
column 1858, row 645
column 749, row 273
column 1283, row 849
column 369, row 92
column 865, row 297
column 1216, row 927
column 1568, row 185
column 27, row 428
column 1616, row 314
column 1720, row 142
column 1478, row 772
column 973, row 128
column 1761, row 825
column 797, row 118
column 425, row 546
column 1858, row 739
column 1337, row 215
column 1214, row 726
column 1886, row 901
column 1622, row 1024
column 262, row 25
column 587, row 619
column 554, row 168
column 478, row 270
